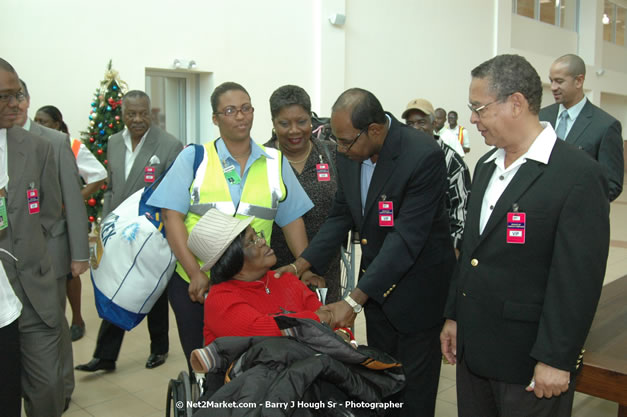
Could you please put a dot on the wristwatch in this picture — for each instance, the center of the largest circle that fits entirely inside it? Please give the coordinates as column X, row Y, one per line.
column 354, row 305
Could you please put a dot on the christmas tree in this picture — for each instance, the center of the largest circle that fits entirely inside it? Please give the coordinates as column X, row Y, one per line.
column 105, row 120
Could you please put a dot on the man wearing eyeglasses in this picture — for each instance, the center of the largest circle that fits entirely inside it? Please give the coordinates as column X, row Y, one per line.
column 236, row 176
column 576, row 120
column 533, row 255
column 391, row 187
column 33, row 207
column 136, row 157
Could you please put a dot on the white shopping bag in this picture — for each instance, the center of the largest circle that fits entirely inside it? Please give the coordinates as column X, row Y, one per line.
column 136, row 262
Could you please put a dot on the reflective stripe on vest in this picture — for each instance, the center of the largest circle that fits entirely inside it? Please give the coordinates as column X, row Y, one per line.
column 76, row 146
column 262, row 192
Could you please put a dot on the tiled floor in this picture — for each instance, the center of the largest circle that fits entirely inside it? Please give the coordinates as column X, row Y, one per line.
column 134, row 391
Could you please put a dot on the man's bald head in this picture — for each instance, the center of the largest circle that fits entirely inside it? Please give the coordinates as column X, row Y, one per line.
column 575, row 64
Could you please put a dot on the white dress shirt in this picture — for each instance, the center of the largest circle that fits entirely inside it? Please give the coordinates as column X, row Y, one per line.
column 465, row 137
column 450, row 138
column 89, row 167
column 130, row 153
column 540, row 150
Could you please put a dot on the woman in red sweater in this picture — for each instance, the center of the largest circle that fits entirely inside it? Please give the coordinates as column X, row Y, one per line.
column 244, row 294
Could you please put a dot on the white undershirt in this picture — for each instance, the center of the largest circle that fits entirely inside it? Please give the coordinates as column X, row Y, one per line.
column 540, row 150
column 131, row 154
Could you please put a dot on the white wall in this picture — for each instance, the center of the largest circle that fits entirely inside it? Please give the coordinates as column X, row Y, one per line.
column 405, row 49
column 63, row 50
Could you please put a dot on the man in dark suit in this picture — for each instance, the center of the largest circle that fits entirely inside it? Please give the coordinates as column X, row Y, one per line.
column 67, row 241
column 576, row 120
column 391, row 187
column 533, row 255
column 136, row 158
column 34, row 208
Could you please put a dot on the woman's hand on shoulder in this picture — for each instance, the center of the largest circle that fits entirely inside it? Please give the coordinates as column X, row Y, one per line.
column 198, row 287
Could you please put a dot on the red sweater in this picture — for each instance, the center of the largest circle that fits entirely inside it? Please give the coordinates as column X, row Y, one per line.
column 240, row 308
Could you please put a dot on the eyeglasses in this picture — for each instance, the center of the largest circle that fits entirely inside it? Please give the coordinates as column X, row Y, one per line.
column 231, row 111
column 478, row 110
column 350, row 145
column 258, row 240
column 19, row 97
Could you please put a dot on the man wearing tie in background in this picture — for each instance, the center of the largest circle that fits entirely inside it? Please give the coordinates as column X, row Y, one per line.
column 582, row 123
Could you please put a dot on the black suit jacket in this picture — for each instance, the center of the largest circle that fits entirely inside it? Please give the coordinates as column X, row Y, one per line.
column 517, row 304
column 405, row 268
column 599, row 134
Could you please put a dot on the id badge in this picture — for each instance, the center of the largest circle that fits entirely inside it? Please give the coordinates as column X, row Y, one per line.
column 149, row 174
column 3, row 214
column 232, row 177
column 386, row 213
column 32, row 198
column 322, row 170
column 516, row 227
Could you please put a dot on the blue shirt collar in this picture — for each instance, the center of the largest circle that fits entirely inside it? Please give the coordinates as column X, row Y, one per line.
column 574, row 111
column 256, row 152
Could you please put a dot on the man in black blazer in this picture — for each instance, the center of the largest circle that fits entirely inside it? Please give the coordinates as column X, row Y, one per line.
column 136, row 157
column 533, row 255
column 391, row 187
column 587, row 126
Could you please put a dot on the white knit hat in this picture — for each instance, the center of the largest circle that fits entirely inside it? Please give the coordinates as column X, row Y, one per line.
column 213, row 234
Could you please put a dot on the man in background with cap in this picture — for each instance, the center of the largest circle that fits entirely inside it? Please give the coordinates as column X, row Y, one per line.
column 419, row 114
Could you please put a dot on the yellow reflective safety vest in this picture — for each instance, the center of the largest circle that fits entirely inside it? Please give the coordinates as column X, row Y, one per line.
column 262, row 192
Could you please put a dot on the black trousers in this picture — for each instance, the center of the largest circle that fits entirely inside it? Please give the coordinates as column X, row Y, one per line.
column 110, row 336
column 421, row 358
column 189, row 316
column 10, row 369
column 479, row 396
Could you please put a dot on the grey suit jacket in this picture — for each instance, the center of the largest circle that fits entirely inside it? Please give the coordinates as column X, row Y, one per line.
column 158, row 142
column 599, row 134
column 31, row 163
column 68, row 238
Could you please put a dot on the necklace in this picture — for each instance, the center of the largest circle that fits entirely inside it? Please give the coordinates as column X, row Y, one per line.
column 302, row 160
column 265, row 284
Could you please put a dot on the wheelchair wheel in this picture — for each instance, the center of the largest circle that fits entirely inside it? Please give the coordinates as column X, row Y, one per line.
column 179, row 393
column 348, row 271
